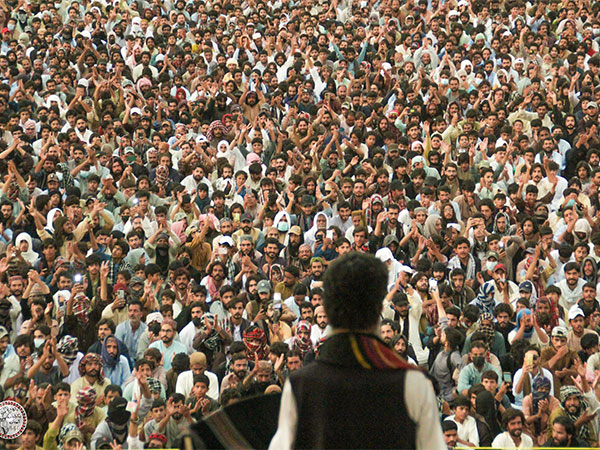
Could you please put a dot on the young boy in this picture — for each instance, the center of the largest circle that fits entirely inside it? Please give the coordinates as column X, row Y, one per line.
column 467, row 425
column 31, row 436
column 157, row 413
column 200, row 404
column 489, row 379
column 63, row 390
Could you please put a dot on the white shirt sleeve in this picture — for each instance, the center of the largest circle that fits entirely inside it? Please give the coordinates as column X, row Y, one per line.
column 288, row 420
column 422, row 409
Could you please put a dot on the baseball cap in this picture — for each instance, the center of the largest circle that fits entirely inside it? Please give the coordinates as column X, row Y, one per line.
column 296, row 230
column 263, row 287
column 525, row 287
column 246, row 217
column 559, row 331
column 575, row 312
column 3, row 332
column 307, row 200
column 500, row 266
column 226, row 240
column 592, row 105
column 73, row 434
column 52, row 177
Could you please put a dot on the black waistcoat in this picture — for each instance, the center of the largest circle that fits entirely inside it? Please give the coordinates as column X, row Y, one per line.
column 343, row 404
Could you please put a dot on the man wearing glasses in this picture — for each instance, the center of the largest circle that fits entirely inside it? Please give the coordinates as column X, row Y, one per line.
column 167, row 345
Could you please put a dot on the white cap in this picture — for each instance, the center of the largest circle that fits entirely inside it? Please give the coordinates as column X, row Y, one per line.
column 226, row 240
column 154, row 317
column 135, row 110
column 575, row 312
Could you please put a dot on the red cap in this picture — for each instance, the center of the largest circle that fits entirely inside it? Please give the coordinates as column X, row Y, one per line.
column 499, row 266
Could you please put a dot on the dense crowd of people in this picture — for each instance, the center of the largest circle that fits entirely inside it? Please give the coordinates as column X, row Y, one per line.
column 176, row 178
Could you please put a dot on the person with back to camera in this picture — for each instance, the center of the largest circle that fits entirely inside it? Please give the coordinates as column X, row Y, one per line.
column 358, row 393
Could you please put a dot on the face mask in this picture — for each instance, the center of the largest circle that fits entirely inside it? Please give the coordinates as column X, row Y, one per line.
column 20, row 392
column 478, row 81
column 283, row 226
column 478, row 361
column 596, row 31
column 490, row 265
column 10, row 26
column 444, row 81
column 184, row 260
column 247, row 72
column 38, row 342
column 541, row 217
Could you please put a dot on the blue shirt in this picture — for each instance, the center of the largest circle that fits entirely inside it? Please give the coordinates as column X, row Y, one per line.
column 470, row 376
column 129, row 337
column 118, row 374
column 169, row 352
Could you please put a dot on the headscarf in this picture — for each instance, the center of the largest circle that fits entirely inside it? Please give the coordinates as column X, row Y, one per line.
column 541, row 391
column 487, row 330
column 81, row 308
column 278, row 218
column 67, row 347
column 505, row 232
column 485, row 299
column 159, row 437
column 429, row 227
column 30, row 256
column 594, row 277
column 212, row 341
column 50, row 219
column 584, row 432
column 227, row 153
column 109, row 360
column 370, row 216
column 526, row 334
column 133, row 257
column 553, row 310
column 302, row 344
column 259, row 346
column 162, row 175
column 91, row 358
column 582, row 226
column 67, row 431
column 213, row 126
column 86, row 402
column 309, row 236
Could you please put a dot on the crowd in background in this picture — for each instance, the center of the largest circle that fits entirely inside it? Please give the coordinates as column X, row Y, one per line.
column 176, row 177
